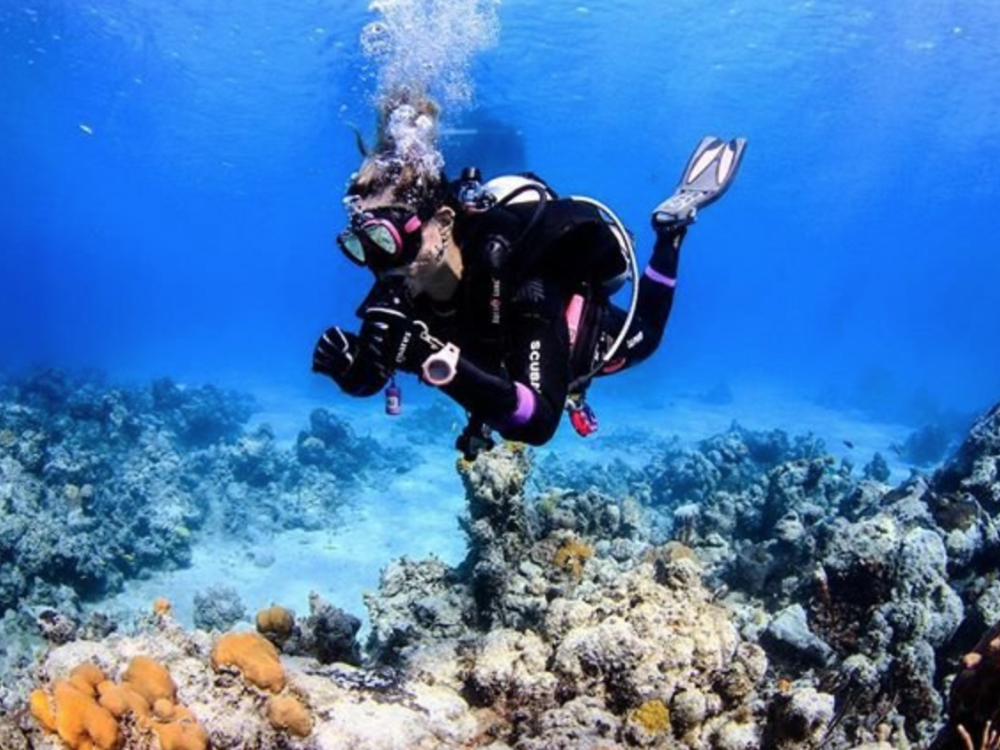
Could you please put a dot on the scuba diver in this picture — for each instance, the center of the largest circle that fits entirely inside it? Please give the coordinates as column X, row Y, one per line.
column 499, row 293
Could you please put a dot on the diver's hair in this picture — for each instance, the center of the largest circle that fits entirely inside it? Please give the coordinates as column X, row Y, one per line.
column 405, row 162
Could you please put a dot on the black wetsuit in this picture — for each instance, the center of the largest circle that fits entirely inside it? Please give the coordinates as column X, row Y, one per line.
column 508, row 318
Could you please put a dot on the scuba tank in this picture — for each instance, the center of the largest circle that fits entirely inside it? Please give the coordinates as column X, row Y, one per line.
column 543, row 210
column 562, row 251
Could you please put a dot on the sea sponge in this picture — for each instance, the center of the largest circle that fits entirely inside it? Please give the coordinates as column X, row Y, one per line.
column 150, row 679
column 287, row 712
column 276, row 621
column 255, row 656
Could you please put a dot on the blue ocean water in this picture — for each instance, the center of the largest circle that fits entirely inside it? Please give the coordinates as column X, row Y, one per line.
column 172, row 172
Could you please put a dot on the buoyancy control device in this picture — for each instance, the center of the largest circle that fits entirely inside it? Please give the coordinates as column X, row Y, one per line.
column 578, row 240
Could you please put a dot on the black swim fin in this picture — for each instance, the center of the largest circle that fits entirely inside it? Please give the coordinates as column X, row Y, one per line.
column 708, row 174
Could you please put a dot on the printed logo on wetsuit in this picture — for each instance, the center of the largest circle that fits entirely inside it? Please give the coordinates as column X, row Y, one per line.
column 403, row 345
column 495, row 302
column 634, row 341
column 535, row 365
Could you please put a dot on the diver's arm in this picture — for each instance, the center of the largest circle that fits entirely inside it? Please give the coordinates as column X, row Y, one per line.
column 340, row 356
column 524, row 403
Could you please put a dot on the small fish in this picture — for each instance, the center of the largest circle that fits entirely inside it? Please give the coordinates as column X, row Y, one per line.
column 897, row 449
column 849, row 444
column 84, row 127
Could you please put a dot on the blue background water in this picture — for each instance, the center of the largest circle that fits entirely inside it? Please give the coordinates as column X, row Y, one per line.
column 172, row 172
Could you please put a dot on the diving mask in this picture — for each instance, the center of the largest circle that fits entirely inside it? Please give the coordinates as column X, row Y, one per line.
column 381, row 238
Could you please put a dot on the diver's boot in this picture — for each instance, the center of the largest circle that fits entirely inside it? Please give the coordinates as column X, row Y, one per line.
column 708, row 174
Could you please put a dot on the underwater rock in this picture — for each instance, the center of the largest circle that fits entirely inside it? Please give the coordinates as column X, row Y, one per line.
column 788, row 636
column 975, row 468
column 328, row 634
column 218, row 608
column 417, row 604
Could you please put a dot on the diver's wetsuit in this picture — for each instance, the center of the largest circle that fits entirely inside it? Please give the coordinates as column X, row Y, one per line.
column 514, row 370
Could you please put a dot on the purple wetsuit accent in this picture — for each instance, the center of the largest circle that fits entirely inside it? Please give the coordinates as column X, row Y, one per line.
column 525, row 408
column 659, row 278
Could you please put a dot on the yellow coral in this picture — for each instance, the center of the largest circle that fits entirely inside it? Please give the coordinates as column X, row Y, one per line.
column 572, row 555
column 255, row 656
column 276, row 621
column 287, row 712
column 653, row 716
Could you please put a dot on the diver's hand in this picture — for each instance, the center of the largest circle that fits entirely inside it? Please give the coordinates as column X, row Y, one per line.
column 396, row 341
column 333, row 354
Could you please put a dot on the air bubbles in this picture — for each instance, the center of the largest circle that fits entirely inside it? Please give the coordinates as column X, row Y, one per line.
column 428, row 45
column 421, row 51
column 376, row 40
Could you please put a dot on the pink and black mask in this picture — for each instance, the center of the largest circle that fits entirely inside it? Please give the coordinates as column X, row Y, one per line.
column 382, row 238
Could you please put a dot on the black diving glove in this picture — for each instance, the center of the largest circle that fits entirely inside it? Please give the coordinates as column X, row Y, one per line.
column 332, row 355
column 396, row 341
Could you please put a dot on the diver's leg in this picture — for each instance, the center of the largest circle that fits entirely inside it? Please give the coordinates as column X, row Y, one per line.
column 653, row 306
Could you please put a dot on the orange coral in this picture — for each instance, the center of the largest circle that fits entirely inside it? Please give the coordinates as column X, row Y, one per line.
column 150, row 679
column 181, row 732
column 120, row 699
column 80, row 721
column 41, row 709
column 83, row 709
column 255, row 656
column 276, row 621
column 162, row 607
column 287, row 712
column 86, row 677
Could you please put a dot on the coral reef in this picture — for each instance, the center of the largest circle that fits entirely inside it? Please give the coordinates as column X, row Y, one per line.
column 857, row 586
column 100, row 483
column 747, row 591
